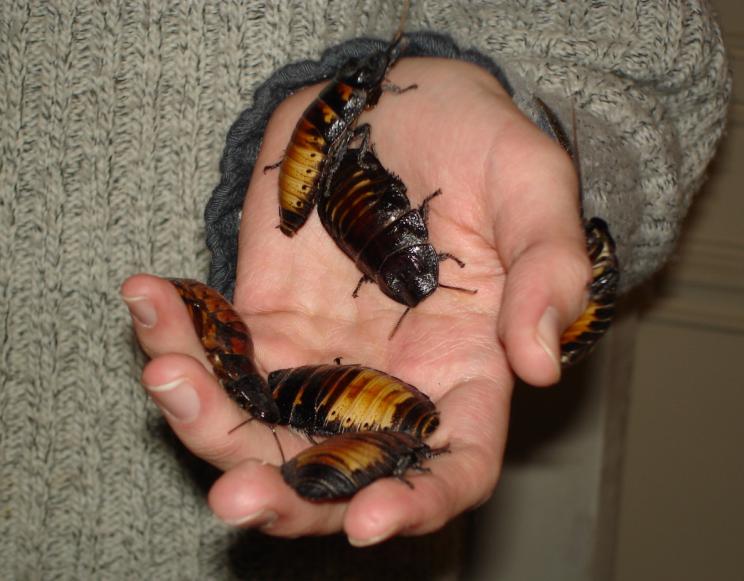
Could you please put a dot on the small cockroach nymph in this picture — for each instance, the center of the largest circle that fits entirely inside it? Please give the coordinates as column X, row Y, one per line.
column 330, row 399
column 579, row 339
column 341, row 465
column 326, row 128
column 367, row 213
column 229, row 348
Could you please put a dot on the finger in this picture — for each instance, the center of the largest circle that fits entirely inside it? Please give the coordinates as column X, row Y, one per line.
column 538, row 233
column 254, row 495
column 202, row 415
column 546, row 290
column 475, row 418
column 160, row 319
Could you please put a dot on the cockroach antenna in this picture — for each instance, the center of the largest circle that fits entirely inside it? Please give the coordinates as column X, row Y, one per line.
column 394, row 48
column 470, row 291
column 403, row 18
column 273, row 431
column 575, row 137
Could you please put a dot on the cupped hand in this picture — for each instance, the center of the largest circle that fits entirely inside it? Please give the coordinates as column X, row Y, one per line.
column 509, row 209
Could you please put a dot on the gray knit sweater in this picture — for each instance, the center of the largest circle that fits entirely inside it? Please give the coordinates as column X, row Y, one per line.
column 114, row 116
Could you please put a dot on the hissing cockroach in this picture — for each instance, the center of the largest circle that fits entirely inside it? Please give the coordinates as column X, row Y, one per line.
column 578, row 340
column 325, row 129
column 341, row 465
column 229, row 348
column 330, row 399
column 368, row 214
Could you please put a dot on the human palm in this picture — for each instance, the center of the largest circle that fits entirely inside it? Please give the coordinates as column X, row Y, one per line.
column 508, row 205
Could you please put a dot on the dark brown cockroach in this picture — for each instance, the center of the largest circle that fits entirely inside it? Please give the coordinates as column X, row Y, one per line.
column 330, row 399
column 578, row 340
column 340, row 466
column 367, row 212
column 229, row 348
column 326, row 128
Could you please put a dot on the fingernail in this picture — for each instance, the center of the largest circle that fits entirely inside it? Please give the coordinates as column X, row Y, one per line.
column 142, row 310
column 177, row 398
column 263, row 518
column 359, row 543
column 547, row 333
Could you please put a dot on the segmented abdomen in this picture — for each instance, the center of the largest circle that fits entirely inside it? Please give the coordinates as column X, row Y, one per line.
column 220, row 329
column 341, row 465
column 579, row 339
column 366, row 211
column 329, row 399
column 326, row 120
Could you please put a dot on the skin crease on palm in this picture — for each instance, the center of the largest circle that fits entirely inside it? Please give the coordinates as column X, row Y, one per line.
column 509, row 210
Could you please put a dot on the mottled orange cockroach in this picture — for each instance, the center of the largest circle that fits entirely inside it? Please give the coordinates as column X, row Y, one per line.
column 229, row 348
column 326, row 128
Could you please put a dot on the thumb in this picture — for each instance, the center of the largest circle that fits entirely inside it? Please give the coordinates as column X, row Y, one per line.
column 546, row 290
column 540, row 238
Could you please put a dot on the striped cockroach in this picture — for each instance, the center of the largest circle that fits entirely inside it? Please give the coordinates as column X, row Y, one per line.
column 580, row 337
column 229, row 348
column 329, row 399
column 368, row 214
column 326, row 128
column 340, row 466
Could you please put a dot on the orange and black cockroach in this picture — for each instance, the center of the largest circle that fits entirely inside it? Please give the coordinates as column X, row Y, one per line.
column 341, row 465
column 331, row 399
column 229, row 348
column 326, row 128
column 580, row 337
column 368, row 214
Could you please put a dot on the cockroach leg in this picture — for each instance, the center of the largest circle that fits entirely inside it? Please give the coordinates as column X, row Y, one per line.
column 390, row 87
column 405, row 481
column 446, row 255
column 278, row 443
column 424, row 207
column 397, row 325
column 271, row 166
column 362, row 280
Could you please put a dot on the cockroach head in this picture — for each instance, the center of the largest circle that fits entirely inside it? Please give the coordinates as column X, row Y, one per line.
column 369, row 73
column 411, row 274
column 252, row 394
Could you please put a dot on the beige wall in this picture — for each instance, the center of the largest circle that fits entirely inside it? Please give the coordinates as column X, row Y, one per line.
column 682, row 491
column 639, row 475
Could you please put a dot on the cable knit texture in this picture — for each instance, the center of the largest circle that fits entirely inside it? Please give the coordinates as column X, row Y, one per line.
column 114, row 117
